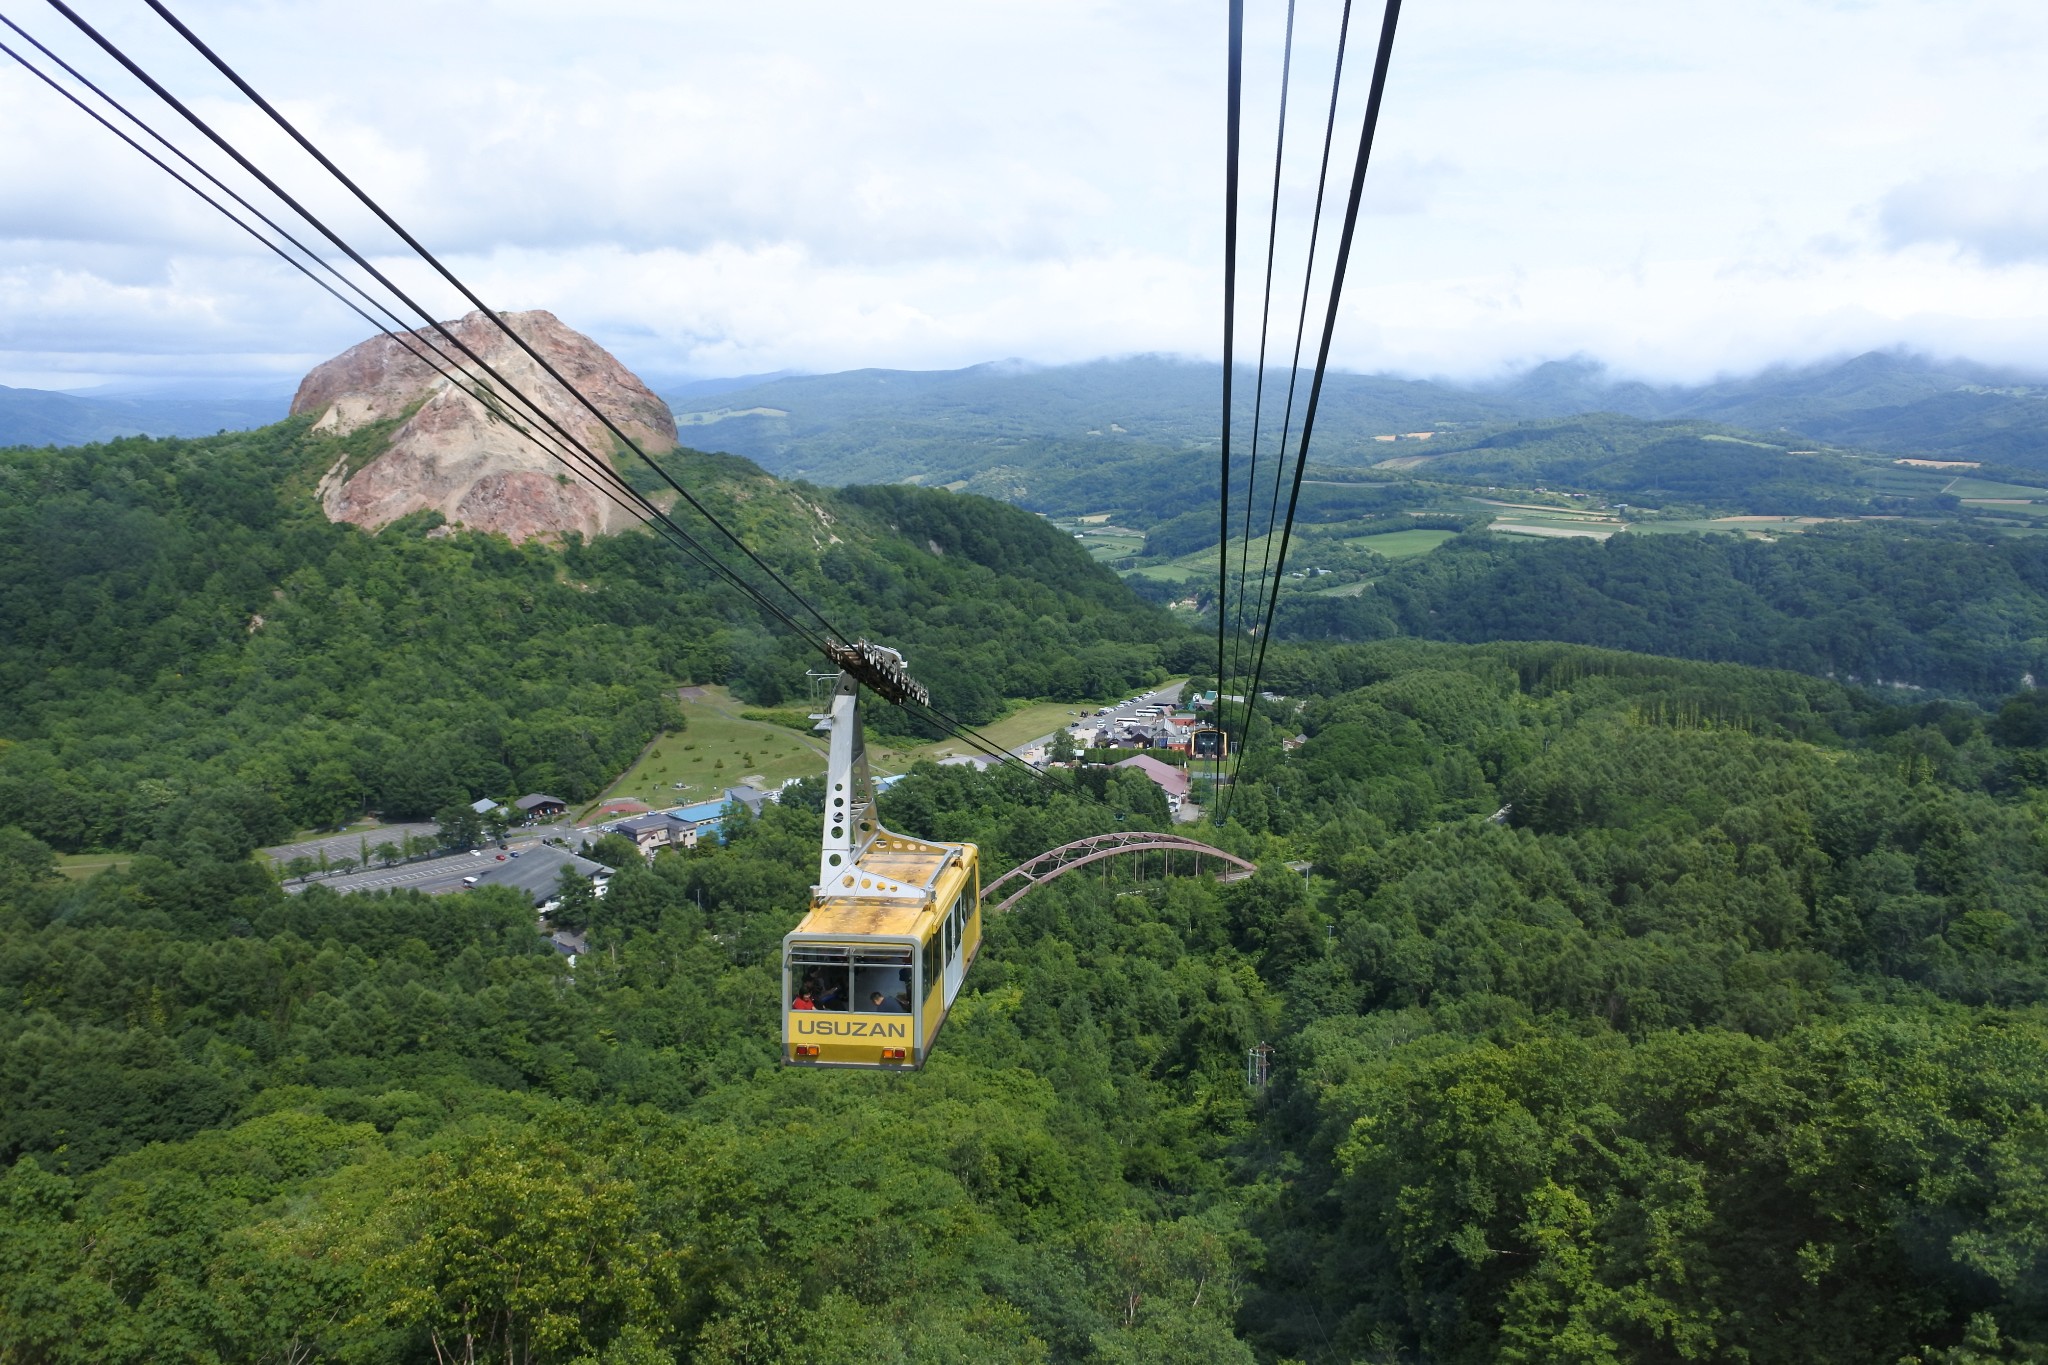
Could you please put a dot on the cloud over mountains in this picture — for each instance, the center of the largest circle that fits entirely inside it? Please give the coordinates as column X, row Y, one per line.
column 717, row 190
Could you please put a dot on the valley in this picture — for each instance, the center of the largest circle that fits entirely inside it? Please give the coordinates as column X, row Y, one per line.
column 678, row 685
column 1661, row 794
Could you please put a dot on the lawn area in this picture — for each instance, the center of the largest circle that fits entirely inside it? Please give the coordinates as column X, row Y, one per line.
column 1969, row 487
column 1202, row 564
column 1552, row 527
column 80, row 866
column 716, row 749
column 1529, row 519
column 1401, row 544
column 1986, row 488
column 1111, row 546
column 1756, row 527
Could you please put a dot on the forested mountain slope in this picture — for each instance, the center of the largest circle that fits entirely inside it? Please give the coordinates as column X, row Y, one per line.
column 191, row 644
column 1727, row 1044
column 35, row 417
column 883, row 426
column 1951, row 611
column 1015, row 431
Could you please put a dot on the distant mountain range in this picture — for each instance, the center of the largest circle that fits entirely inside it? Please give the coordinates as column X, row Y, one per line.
column 1014, row 429
column 1014, row 425
column 39, row 417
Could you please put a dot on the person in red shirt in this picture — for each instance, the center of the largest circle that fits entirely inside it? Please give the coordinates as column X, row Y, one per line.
column 803, row 1000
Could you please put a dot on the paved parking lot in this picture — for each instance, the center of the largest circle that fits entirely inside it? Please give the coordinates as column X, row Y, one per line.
column 350, row 844
column 435, row 875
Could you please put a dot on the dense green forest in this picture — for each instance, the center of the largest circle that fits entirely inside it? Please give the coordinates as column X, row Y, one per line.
column 193, row 650
column 1725, row 1042
column 1944, row 609
column 1630, row 1008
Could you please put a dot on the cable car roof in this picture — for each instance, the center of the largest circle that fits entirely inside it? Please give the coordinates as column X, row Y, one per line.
column 864, row 918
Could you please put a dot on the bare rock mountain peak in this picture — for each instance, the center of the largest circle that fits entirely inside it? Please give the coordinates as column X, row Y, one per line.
column 451, row 453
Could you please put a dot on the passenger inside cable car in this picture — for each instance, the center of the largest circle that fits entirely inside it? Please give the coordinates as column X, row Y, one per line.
column 835, row 974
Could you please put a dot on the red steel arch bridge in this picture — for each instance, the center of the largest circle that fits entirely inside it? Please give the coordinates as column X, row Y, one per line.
column 1057, row 862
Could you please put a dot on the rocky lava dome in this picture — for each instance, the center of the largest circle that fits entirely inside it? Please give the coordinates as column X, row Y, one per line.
column 453, row 454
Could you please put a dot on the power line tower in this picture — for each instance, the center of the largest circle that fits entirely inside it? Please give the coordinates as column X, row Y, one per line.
column 1258, row 1066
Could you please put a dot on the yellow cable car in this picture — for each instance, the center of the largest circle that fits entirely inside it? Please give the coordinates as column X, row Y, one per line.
column 1210, row 742
column 869, row 974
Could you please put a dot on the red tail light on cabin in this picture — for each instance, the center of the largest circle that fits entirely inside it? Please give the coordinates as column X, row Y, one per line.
column 892, row 1054
column 805, row 1050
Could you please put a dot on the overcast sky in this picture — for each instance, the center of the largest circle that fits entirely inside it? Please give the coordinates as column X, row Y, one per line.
column 1679, row 189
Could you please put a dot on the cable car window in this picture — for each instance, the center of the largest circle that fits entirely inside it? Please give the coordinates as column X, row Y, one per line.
column 883, row 972
column 840, row 976
column 932, row 948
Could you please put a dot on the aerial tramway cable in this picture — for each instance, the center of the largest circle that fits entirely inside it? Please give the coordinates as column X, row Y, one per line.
column 450, row 338
column 607, row 481
column 1381, row 59
column 1233, row 117
column 1251, row 478
column 1307, row 278
column 409, row 302
column 948, row 723
column 469, row 294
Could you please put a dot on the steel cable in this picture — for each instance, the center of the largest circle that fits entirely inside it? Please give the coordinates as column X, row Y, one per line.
column 1381, row 59
column 392, row 223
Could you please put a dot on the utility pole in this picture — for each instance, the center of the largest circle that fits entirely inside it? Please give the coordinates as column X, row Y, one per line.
column 1258, row 1066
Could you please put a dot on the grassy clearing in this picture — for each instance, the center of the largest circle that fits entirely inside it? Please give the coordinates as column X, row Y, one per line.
column 1539, row 509
column 1112, row 546
column 714, row 750
column 718, row 748
column 1555, row 530
column 1986, row 488
column 1755, row 527
column 1537, row 519
column 80, row 866
column 1202, row 564
column 1913, row 483
column 1400, row 544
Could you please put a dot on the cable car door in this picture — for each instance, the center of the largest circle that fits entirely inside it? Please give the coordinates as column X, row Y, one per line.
column 956, row 969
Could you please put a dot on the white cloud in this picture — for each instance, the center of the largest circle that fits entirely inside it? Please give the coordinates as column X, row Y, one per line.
column 2001, row 219
column 1678, row 189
